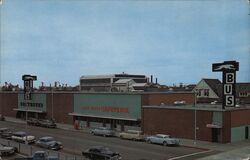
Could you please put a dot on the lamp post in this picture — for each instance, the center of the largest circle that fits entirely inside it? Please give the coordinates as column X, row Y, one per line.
column 195, row 118
column 52, row 101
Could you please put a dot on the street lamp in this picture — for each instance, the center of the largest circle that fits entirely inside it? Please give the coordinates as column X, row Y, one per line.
column 195, row 117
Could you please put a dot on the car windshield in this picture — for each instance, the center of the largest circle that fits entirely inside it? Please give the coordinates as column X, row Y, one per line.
column 47, row 139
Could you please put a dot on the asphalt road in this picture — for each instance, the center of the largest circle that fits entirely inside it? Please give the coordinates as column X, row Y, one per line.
column 74, row 142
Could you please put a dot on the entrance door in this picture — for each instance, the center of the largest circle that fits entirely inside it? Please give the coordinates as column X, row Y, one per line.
column 246, row 132
column 215, row 132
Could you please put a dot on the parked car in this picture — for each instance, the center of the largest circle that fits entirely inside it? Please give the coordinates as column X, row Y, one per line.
column 102, row 131
column 5, row 133
column 23, row 137
column 49, row 143
column 133, row 135
column 46, row 123
column 39, row 155
column 2, row 118
column 163, row 139
column 7, row 150
column 101, row 153
column 32, row 121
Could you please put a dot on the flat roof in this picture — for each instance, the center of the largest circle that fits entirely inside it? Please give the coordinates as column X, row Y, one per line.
column 205, row 107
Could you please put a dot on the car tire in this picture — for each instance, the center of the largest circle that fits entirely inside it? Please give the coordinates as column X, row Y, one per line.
column 104, row 135
column 148, row 141
column 165, row 143
column 92, row 133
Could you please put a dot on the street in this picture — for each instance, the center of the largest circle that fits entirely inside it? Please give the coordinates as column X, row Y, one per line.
column 74, row 142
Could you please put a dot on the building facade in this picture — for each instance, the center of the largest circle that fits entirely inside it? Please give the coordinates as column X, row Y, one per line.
column 151, row 112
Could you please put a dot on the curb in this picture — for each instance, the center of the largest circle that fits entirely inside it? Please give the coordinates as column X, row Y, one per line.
column 195, row 147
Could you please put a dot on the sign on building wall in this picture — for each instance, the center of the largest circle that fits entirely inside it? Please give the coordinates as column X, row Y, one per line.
column 108, row 105
column 28, row 86
column 38, row 102
column 228, row 69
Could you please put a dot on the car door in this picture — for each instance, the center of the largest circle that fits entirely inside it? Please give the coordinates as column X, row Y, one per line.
column 96, row 155
column 158, row 139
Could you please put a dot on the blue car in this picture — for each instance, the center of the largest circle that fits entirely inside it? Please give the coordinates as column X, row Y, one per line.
column 102, row 131
column 49, row 143
column 163, row 139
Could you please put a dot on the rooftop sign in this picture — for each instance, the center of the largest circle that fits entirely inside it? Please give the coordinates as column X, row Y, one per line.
column 228, row 69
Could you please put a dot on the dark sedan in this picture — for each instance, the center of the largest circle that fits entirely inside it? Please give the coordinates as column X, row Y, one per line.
column 101, row 153
column 49, row 143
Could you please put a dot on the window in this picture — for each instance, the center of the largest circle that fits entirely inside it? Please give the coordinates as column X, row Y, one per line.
column 206, row 92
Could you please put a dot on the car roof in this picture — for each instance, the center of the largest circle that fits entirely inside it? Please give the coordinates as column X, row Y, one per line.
column 98, row 147
column 20, row 132
column 162, row 135
column 47, row 137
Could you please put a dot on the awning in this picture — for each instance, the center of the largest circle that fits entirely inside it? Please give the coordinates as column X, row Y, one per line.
column 213, row 126
column 28, row 110
column 105, row 117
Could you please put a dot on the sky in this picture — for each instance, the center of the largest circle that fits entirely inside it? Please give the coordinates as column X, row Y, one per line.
column 175, row 41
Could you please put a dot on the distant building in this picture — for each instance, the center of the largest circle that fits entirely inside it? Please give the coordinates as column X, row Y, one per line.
column 107, row 83
column 210, row 90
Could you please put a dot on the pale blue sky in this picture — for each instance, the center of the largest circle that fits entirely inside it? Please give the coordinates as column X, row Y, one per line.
column 176, row 41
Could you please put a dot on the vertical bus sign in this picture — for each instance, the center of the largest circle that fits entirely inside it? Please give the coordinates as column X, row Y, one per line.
column 228, row 69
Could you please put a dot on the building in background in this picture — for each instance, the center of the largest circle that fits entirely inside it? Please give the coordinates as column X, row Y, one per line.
column 105, row 83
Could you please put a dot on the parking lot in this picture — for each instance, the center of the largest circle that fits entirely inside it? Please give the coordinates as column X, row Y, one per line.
column 74, row 142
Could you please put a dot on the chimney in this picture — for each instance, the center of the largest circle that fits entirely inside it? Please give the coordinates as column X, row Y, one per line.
column 55, row 84
column 156, row 80
column 151, row 79
column 42, row 84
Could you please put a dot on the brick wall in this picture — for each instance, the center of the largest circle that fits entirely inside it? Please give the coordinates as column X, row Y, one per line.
column 63, row 105
column 177, row 122
column 167, row 98
column 8, row 101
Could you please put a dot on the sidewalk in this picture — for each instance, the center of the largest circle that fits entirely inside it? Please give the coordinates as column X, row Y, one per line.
column 233, row 151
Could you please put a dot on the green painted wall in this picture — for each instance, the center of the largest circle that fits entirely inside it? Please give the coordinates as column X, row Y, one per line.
column 249, row 132
column 37, row 103
column 217, row 118
column 237, row 134
column 110, row 105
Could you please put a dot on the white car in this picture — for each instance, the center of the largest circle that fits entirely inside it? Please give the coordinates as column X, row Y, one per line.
column 163, row 139
column 23, row 137
column 133, row 135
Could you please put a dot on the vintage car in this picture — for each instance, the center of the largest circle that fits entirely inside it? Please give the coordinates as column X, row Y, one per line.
column 49, row 143
column 23, row 137
column 132, row 135
column 32, row 121
column 102, row 131
column 7, row 150
column 46, row 123
column 163, row 139
column 39, row 155
column 101, row 153
column 5, row 133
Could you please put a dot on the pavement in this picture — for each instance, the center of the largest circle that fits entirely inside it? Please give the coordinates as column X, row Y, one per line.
column 232, row 151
